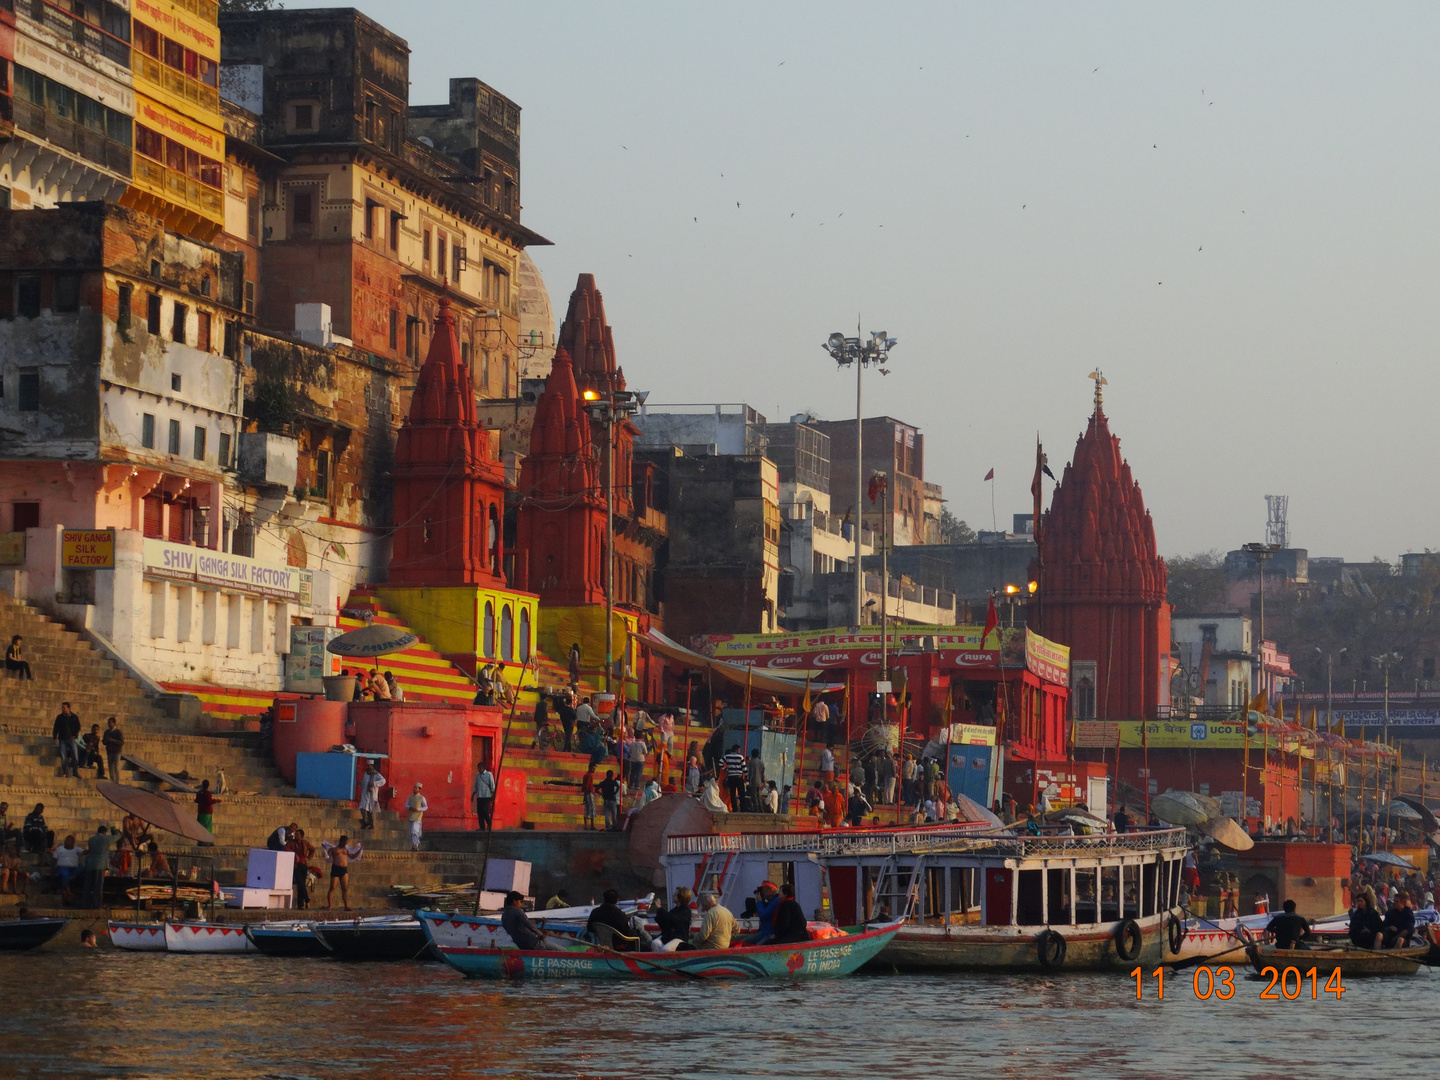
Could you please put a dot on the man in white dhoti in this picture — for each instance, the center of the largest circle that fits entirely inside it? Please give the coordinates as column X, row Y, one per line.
column 416, row 806
column 371, row 785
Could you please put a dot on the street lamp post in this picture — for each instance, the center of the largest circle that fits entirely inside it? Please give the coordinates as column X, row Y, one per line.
column 605, row 410
column 845, row 351
column 1260, row 552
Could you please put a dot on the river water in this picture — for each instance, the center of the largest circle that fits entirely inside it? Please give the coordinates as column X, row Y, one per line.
column 104, row 1013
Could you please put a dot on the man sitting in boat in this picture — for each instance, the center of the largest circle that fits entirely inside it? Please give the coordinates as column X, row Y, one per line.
column 791, row 927
column 1398, row 926
column 767, row 902
column 517, row 924
column 717, row 925
column 1365, row 921
column 1288, row 929
column 622, row 932
column 675, row 923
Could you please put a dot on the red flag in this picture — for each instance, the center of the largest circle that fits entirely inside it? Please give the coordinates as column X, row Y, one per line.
column 992, row 620
column 990, row 475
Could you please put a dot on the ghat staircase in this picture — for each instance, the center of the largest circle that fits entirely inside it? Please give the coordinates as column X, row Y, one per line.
column 68, row 668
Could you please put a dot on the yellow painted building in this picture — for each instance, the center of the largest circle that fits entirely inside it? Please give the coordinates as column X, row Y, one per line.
column 179, row 163
column 464, row 621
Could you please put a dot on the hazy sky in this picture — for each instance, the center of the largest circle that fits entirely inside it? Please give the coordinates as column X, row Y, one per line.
column 1231, row 209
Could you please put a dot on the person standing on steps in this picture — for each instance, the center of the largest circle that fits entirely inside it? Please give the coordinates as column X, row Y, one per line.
column 300, row 876
column 587, row 794
column 483, row 790
column 416, row 807
column 371, row 785
column 113, row 740
column 66, row 734
column 205, row 809
column 15, row 659
column 339, row 856
column 92, row 756
column 565, row 709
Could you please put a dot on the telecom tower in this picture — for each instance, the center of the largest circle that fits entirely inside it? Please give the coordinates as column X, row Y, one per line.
column 1277, row 531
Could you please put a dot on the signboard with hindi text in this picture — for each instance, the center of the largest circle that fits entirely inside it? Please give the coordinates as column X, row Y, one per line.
column 1047, row 659
column 1096, row 734
column 87, row 549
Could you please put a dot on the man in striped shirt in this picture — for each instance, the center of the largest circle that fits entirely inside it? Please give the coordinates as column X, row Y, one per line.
column 734, row 763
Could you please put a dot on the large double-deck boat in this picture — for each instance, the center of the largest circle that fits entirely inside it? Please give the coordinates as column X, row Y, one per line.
column 969, row 896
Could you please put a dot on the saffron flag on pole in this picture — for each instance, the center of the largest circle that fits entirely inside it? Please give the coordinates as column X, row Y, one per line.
column 992, row 620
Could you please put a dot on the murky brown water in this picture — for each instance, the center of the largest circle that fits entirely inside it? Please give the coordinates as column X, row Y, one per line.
column 112, row 1014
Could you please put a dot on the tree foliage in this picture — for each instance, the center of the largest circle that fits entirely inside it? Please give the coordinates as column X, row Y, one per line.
column 953, row 530
column 1197, row 583
column 233, row 7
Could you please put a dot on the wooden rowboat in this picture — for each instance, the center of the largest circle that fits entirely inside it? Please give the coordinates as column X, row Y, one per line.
column 206, row 937
column 292, row 938
column 137, row 936
column 1348, row 959
column 22, row 934
column 840, row 955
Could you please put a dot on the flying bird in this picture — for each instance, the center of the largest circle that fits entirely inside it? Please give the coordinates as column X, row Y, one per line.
column 792, row 213
column 1093, row 72
column 624, row 147
column 781, row 64
column 737, row 204
column 884, row 371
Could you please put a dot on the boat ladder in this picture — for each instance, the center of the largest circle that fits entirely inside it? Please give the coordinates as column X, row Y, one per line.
column 897, row 889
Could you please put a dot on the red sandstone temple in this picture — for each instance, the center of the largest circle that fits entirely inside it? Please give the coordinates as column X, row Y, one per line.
column 1102, row 584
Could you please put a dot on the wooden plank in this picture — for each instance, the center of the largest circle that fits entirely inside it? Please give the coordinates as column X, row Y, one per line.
column 158, row 774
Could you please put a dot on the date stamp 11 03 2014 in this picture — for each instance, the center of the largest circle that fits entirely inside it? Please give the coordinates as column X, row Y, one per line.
column 1283, row 984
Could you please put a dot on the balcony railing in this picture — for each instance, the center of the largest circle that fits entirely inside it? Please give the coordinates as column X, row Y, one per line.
column 176, row 82
column 179, row 188
column 68, row 135
column 208, row 10
column 81, row 32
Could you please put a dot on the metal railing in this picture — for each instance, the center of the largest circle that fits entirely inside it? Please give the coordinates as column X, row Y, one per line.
column 940, row 838
column 176, row 82
column 82, row 32
column 179, row 188
column 68, row 135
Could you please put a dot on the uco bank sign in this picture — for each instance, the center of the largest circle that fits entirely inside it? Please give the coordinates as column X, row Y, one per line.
column 179, row 562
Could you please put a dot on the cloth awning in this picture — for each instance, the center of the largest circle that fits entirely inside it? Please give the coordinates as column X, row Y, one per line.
column 756, row 678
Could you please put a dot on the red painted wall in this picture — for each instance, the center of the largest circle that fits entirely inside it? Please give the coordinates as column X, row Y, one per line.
column 437, row 744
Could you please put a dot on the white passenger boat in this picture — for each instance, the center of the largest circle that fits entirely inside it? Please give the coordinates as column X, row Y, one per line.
column 137, row 936
column 206, row 937
column 970, row 899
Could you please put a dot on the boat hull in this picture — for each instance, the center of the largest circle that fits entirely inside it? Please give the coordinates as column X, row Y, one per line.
column 1349, row 962
column 1091, row 948
column 285, row 940
column 198, row 937
column 24, row 934
column 137, row 937
column 813, row 959
column 347, row 941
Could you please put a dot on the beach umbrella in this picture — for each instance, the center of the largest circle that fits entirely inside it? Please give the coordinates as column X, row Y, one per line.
column 1179, row 808
column 157, row 809
column 1385, row 858
column 1228, row 833
column 376, row 639
column 1073, row 815
column 1431, row 826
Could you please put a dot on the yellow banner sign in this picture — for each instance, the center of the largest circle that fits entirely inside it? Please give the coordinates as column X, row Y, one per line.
column 182, row 129
column 89, row 549
column 1186, row 734
column 179, row 25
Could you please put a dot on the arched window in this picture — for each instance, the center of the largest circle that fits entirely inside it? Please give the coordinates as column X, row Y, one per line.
column 507, row 633
column 492, row 543
column 489, row 640
column 524, row 635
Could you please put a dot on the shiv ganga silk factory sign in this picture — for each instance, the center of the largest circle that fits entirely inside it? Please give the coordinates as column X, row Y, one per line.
column 180, row 562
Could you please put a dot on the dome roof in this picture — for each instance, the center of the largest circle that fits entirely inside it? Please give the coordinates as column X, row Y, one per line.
column 537, row 322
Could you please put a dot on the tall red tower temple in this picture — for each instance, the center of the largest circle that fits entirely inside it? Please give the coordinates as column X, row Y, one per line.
column 561, row 522
column 1102, row 585
column 449, row 483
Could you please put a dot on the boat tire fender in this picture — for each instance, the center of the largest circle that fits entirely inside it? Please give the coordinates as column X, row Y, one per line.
column 1129, row 940
column 1051, row 947
column 1176, row 931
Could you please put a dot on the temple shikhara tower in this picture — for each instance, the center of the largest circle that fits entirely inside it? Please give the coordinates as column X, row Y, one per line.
column 447, row 560
column 449, row 485
column 1102, row 584
column 560, row 539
